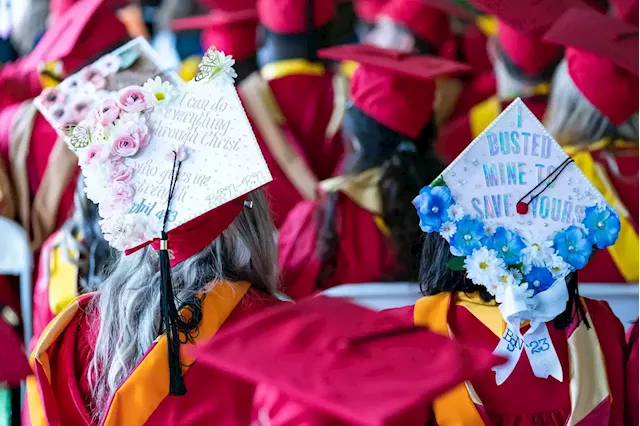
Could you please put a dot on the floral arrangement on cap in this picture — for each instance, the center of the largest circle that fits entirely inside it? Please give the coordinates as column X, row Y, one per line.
column 521, row 256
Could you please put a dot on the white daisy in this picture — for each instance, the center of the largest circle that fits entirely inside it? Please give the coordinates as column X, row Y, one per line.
column 163, row 91
column 506, row 277
column 483, row 267
column 558, row 267
column 490, row 229
column 537, row 249
column 447, row 230
column 456, row 212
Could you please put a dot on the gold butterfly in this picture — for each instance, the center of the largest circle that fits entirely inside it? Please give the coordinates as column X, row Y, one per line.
column 209, row 65
column 79, row 137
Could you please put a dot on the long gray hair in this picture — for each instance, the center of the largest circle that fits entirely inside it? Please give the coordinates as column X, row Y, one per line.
column 572, row 119
column 82, row 236
column 129, row 303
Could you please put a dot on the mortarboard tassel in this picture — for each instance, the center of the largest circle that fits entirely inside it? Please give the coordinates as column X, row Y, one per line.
column 170, row 314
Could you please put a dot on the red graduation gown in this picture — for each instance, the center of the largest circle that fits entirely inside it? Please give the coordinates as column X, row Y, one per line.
column 620, row 262
column 454, row 137
column 523, row 399
column 363, row 250
column 59, row 392
column 632, row 377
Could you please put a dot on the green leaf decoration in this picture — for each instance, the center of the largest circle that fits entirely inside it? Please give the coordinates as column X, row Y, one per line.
column 456, row 263
column 439, row 181
column 128, row 58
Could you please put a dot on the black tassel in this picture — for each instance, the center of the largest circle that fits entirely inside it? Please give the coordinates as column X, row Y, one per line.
column 170, row 314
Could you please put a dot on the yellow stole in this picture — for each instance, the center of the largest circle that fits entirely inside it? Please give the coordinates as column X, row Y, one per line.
column 62, row 277
column 624, row 252
column 148, row 385
column 458, row 407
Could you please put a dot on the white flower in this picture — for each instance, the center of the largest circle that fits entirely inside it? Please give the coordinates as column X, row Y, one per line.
column 523, row 291
column 537, row 249
column 108, row 64
column 163, row 91
column 558, row 267
column 456, row 212
column 506, row 277
column 126, row 230
column 96, row 182
column 483, row 267
column 447, row 230
column 218, row 65
column 489, row 229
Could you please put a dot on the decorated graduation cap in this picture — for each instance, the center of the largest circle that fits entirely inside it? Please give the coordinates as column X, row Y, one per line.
column 602, row 60
column 76, row 96
column 170, row 167
column 397, row 89
column 429, row 23
column 293, row 16
column 521, row 26
column 233, row 32
column 342, row 360
column 519, row 217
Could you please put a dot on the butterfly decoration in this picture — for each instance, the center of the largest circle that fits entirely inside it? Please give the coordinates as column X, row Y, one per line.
column 210, row 65
column 79, row 136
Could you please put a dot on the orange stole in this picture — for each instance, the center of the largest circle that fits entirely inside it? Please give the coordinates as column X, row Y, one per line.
column 148, row 384
column 458, row 407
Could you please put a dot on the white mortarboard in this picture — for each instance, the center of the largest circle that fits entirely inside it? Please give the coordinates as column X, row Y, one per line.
column 519, row 216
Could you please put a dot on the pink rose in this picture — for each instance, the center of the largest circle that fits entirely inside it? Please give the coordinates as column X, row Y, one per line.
column 135, row 99
column 93, row 76
column 121, row 193
column 51, row 96
column 79, row 110
column 107, row 112
column 125, row 146
column 94, row 154
column 120, row 172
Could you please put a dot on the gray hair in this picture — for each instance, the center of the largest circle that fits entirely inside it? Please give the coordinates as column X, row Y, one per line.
column 571, row 118
column 129, row 303
column 82, row 236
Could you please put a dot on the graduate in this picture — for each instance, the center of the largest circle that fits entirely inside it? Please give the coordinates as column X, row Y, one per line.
column 523, row 66
column 510, row 224
column 594, row 114
column 314, row 360
column 88, row 28
column 296, row 105
column 183, row 204
column 360, row 230
column 73, row 261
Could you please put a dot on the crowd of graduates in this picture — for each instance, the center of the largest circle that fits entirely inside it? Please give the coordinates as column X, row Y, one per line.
column 356, row 106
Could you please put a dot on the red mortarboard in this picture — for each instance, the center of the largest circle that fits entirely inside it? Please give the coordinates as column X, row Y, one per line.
column 367, row 10
column 521, row 27
column 394, row 88
column 86, row 29
column 234, row 33
column 426, row 22
column 359, row 366
column 290, row 16
column 602, row 58
column 627, row 10
column 14, row 366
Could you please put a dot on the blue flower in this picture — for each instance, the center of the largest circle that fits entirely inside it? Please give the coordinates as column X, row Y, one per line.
column 508, row 244
column 470, row 236
column 432, row 204
column 603, row 226
column 573, row 246
column 539, row 279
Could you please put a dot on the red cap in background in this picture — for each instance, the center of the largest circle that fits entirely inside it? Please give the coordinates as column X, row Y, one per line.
column 424, row 21
column 290, row 16
column 602, row 59
column 395, row 88
column 368, row 10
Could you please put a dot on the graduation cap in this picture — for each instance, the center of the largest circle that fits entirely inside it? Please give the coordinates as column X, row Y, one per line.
column 368, row 10
column 602, row 59
column 88, row 26
column 521, row 25
column 394, row 88
column 170, row 166
column 233, row 32
column 429, row 23
column 345, row 361
column 519, row 216
column 15, row 366
column 292, row 16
